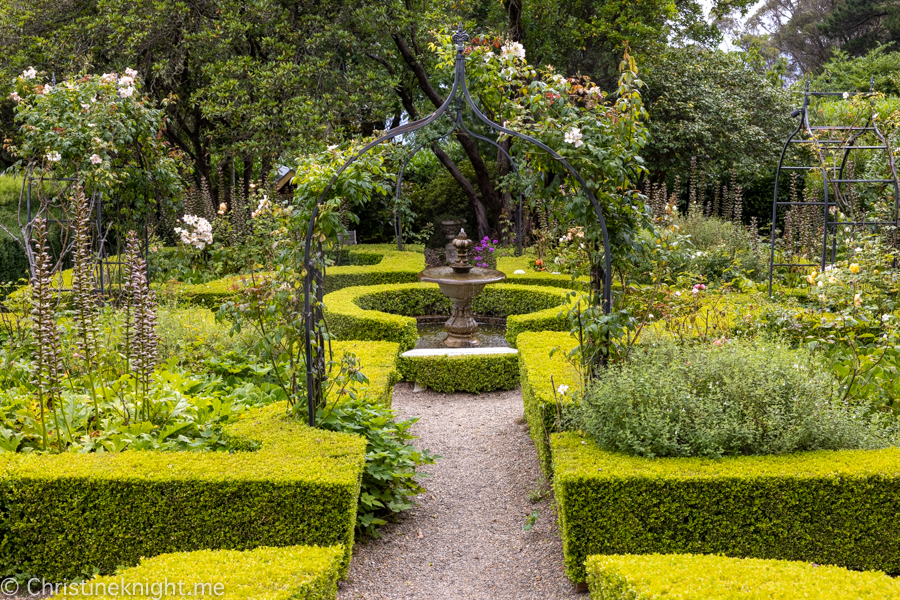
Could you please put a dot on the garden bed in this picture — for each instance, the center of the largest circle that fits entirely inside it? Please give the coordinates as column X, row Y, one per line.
column 829, row 507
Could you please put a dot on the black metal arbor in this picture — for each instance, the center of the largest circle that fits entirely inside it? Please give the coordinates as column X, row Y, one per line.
column 834, row 174
column 458, row 97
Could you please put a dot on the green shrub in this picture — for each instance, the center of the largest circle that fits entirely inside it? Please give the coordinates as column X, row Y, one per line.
column 475, row 373
column 703, row 577
column 743, row 397
column 384, row 312
column 389, row 481
column 291, row 573
column 825, row 507
column 537, row 367
column 286, row 485
column 378, row 362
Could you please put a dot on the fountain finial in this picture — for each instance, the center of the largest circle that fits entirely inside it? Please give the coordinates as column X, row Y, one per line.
column 462, row 243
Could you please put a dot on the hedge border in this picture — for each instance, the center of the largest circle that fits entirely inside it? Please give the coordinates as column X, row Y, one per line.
column 299, row 487
column 829, row 507
column 293, row 572
column 536, row 367
column 510, row 264
column 393, row 267
column 706, row 577
column 474, row 373
column 359, row 312
column 378, row 362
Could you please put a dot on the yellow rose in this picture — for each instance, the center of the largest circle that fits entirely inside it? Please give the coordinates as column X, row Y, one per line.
column 854, row 268
column 857, row 299
column 811, row 278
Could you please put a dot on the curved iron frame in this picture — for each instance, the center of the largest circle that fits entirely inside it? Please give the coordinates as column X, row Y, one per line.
column 459, row 92
column 846, row 145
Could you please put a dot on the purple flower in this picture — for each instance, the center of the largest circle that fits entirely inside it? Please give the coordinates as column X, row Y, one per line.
column 495, row 241
column 478, row 258
column 491, row 249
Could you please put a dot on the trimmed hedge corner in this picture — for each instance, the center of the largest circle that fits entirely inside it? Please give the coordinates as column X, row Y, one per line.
column 384, row 312
column 291, row 485
column 378, row 362
column 536, row 367
column 292, row 573
column 473, row 373
column 828, row 507
column 704, row 577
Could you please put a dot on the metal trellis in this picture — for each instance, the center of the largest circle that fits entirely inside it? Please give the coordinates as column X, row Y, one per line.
column 460, row 97
column 835, row 183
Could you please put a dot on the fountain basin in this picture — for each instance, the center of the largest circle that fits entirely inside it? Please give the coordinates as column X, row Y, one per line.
column 461, row 288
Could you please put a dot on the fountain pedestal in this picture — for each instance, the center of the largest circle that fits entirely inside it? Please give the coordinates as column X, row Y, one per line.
column 461, row 282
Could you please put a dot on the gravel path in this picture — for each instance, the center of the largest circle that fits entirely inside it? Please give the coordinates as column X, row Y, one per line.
column 466, row 539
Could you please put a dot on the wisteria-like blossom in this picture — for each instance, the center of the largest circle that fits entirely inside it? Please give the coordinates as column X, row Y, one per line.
column 95, row 159
column 15, row 97
column 198, row 234
column 513, row 49
column 261, row 208
column 54, row 156
column 573, row 136
column 126, row 92
column 30, row 73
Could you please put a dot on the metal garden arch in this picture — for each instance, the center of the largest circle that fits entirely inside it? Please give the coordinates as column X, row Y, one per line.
column 458, row 95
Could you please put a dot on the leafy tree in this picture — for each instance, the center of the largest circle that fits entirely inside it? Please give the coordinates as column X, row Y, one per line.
column 714, row 106
column 858, row 26
column 844, row 73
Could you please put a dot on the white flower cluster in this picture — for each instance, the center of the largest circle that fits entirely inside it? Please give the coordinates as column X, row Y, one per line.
column 15, row 97
column 200, row 232
column 573, row 136
column 261, row 208
column 95, row 159
column 54, row 156
column 30, row 73
column 513, row 49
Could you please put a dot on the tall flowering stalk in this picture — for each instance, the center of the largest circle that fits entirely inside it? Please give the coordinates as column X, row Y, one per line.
column 141, row 322
column 84, row 301
column 46, row 334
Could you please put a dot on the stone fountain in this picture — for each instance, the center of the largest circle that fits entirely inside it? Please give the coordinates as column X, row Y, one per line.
column 461, row 281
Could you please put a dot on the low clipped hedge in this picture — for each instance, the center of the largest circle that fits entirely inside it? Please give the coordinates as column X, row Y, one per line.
column 828, row 507
column 704, row 577
column 378, row 362
column 287, row 485
column 473, row 373
column 510, row 264
column 291, row 573
column 369, row 265
column 385, row 312
column 536, row 368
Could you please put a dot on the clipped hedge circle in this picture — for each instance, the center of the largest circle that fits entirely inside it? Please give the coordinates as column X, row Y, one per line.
column 385, row 312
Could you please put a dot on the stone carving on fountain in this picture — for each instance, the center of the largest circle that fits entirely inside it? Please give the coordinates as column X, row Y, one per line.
column 461, row 282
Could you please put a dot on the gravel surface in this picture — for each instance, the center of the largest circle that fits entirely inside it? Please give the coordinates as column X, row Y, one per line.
column 465, row 539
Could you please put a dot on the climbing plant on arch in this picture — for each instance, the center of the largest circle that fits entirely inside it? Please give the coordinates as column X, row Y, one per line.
column 611, row 180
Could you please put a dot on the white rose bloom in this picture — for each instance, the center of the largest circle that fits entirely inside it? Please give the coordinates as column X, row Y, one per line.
column 513, row 49
column 95, row 159
column 108, row 77
column 126, row 92
column 15, row 97
column 126, row 81
column 573, row 136
column 131, row 73
column 54, row 156
column 30, row 73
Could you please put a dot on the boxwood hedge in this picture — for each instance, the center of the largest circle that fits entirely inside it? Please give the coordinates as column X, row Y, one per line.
column 704, row 577
column 287, row 485
column 536, row 368
column 385, row 312
column 378, row 362
column 828, row 507
column 294, row 572
column 510, row 264
column 473, row 373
